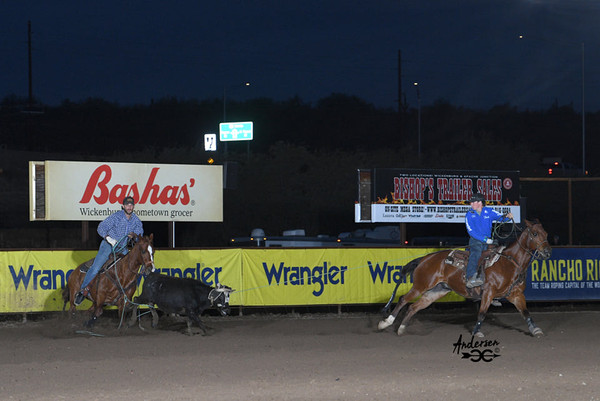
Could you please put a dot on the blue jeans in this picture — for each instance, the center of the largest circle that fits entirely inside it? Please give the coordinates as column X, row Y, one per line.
column 103, row 253
column 476, row 248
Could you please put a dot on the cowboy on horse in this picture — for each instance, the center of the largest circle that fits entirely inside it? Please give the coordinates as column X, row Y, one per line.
column 124, row 223
column 479, row 226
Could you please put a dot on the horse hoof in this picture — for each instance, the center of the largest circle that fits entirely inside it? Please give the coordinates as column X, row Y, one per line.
column 385, row 323
column 537, row 332
column 479, row 334
column 401, row 329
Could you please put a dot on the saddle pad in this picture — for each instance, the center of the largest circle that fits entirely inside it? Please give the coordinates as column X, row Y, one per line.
column 459, row 258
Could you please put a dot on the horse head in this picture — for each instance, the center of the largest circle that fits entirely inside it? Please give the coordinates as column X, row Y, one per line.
column 537, row 240
column 146, row 253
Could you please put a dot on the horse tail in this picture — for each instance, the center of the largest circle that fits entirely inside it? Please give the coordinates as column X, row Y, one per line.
column 65, row 296
column 406, row 269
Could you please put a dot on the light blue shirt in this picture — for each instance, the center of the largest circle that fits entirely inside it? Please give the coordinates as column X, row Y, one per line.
column 117, row 225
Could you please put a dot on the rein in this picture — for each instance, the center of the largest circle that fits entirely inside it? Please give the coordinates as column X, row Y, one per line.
column 532, row 255
column 117, row 282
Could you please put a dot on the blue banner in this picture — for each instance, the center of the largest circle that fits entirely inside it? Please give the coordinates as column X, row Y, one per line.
column 570, row 274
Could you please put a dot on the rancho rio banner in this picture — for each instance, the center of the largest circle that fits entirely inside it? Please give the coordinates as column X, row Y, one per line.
column 89, row 191
column 438, row 196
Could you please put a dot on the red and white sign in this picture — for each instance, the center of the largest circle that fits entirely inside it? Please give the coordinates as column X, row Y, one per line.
column 91, row 191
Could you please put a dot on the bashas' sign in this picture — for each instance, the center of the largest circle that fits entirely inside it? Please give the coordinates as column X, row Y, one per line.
column 91, row 191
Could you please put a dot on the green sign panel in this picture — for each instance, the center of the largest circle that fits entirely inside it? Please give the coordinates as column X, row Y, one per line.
column 236, row 131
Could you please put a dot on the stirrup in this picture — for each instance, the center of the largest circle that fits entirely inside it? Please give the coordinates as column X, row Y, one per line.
column 80, row 296
column 474, row 282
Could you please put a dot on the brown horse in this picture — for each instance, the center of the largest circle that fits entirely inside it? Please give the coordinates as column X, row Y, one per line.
column 433, row 277
column 115, row 285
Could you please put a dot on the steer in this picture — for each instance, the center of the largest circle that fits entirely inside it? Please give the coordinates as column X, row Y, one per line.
column 181, row 296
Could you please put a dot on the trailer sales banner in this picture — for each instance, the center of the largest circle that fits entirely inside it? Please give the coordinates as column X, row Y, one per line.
column 438, row 196
column 89, row 191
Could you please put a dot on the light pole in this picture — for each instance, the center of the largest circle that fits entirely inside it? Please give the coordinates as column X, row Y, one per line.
column 225, row 104
column 418, row 120
column 582, row 105
column 225, row 98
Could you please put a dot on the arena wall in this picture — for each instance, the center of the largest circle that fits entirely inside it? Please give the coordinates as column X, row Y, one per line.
column 32, row 281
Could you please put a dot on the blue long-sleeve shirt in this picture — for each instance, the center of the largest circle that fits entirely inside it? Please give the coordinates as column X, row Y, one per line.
column 479, row 225
column 117, row 225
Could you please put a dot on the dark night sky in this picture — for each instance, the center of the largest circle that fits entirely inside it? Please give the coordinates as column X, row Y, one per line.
column 466, row 52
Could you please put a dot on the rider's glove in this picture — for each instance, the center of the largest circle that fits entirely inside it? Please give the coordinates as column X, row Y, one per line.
column 489, row 241
column 111, row 241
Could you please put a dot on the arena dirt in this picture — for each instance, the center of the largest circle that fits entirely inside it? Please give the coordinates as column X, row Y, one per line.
column 304, row 357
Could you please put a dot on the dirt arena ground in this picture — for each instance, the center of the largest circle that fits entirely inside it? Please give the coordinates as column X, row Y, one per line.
column 306, row 357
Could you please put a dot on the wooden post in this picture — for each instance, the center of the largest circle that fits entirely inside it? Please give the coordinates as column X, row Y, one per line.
column 171, row 234
column 85, row 233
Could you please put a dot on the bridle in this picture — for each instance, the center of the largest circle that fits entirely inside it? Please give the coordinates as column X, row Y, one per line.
column 536, row 253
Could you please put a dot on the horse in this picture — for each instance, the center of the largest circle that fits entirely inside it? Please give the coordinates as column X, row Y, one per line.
column 433, row 277
column 115, row 284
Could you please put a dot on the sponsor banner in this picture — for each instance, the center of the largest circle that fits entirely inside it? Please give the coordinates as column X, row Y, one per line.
column 570, row 274
column 384, row 213
column 90, row 191
column 326, row 276
column 32, row 281
column 211, row 266
column 435, row 196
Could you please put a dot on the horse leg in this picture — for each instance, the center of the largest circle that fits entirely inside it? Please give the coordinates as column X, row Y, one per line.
column 72, row 307
column 486, row 301
column 134, row 317
column 413, row 293
column 96, row 310
column 90, row 323
column 387, row 322
column 427, row 299
column 518, row 300
column 124, row 308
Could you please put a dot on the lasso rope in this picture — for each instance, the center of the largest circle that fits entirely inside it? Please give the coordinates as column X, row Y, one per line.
column 118, row 248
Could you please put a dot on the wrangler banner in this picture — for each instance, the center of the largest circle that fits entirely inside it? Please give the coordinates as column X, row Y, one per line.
column 211, row 266
column 325, row 276
column 32, row 281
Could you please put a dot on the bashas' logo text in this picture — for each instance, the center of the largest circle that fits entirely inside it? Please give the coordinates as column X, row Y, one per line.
column 477, row 351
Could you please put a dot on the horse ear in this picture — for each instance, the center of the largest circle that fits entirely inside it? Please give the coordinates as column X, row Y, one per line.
column 529, row 224
column 151, row 237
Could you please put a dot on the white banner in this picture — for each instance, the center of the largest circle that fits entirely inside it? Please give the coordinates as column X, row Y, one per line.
column 90, row 191
column 392, row 213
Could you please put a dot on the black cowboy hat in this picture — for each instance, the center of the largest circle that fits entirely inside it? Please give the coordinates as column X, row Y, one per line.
column 477, row 198
column 128, row 200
